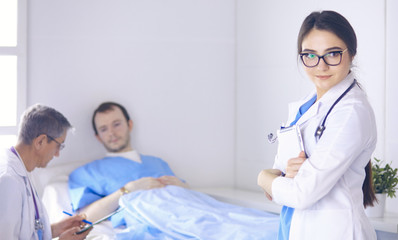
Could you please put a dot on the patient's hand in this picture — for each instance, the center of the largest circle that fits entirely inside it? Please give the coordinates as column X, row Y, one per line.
column 294, row 164
column 144, row 183
column 172, row 180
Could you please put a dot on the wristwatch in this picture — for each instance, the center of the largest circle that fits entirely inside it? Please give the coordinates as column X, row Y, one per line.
column 123, row 190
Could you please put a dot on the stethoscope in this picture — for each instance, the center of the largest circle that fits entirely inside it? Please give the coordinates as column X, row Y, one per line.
column 321, row 128
column 39, row 227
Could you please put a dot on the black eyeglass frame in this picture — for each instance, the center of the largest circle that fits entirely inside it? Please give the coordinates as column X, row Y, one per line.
column 60, row 145
column 340, row 52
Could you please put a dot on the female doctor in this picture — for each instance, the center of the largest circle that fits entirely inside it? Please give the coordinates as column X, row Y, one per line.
column 323, row 190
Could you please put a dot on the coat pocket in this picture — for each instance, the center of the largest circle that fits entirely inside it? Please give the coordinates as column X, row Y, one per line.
column 322, row 224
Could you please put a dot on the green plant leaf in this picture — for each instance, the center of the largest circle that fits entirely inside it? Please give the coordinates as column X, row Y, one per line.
column 385, row 179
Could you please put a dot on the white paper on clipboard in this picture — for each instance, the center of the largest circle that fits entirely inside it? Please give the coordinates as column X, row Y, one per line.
column 290, row 144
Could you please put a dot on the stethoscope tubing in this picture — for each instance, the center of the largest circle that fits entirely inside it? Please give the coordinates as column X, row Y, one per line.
column 319, row 131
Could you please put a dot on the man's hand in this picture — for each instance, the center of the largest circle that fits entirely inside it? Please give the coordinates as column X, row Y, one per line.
column 172, row 180
column 67, row 227
column 71, row 234
column 145, row 183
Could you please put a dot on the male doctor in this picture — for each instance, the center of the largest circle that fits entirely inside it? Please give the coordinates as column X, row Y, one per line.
column 41, row 136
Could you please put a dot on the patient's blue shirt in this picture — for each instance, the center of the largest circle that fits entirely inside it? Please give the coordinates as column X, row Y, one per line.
column 102, row 177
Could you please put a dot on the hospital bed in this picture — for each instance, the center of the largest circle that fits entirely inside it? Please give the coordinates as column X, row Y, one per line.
column 52, row 184
column 56, row 199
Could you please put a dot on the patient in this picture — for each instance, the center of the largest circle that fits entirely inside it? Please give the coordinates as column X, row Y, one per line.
column 159, row 205
column 96, row 187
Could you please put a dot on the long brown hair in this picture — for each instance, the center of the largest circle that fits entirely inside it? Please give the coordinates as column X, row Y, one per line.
column 369, row 196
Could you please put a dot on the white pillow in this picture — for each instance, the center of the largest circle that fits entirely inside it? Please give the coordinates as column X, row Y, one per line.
column 56, row 200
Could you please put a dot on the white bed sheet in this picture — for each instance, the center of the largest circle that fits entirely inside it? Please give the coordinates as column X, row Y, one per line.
column 56, row 199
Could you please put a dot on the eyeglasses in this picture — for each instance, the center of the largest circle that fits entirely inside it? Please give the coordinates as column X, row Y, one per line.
column 331, row 58
column 60, row 145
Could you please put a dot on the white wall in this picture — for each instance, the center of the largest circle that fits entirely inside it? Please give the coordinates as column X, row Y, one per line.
column 269, row 75
column 171, row 63
column 204, row 80
column 391, row 151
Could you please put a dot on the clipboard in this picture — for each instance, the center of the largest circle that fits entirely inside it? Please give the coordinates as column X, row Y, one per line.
column 98, row 221
column 290, row 144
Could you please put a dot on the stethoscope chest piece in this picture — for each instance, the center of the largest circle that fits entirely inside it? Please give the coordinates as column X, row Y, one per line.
column 319, row 131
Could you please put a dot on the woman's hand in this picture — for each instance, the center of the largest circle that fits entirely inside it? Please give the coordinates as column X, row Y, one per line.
column 294, row 164
column 265, row 178
column 65, row 226
column 269, row 197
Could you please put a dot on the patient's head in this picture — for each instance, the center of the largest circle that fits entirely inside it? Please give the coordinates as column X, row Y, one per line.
column 112, row 126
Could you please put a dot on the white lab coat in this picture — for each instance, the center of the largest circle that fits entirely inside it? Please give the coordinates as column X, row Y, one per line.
column 16, row 203
column 327, row 191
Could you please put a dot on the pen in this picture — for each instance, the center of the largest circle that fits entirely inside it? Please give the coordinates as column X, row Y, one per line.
column 84, row 220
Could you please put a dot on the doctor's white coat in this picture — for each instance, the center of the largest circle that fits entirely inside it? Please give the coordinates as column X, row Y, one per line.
column 16, row 203
column 327, row 191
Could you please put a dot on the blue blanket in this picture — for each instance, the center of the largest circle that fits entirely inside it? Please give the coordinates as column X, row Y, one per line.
column 102, row 177
column 177, row 213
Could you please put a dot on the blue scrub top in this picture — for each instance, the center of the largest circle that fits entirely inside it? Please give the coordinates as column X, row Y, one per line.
column 287, row 212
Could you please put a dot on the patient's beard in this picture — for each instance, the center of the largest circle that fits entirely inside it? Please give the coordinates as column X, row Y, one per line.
column 123, row 148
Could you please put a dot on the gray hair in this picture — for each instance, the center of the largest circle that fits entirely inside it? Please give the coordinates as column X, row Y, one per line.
column 39, row 119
